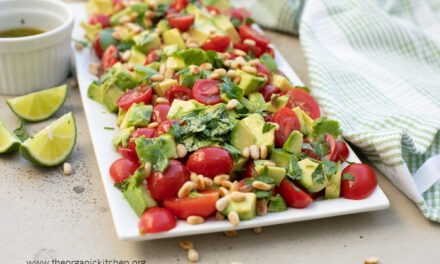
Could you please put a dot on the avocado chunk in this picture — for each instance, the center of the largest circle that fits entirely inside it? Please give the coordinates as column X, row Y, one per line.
column 294, row 142
column 281, row 82
column 137, row 57
column 91, row 30
column 246, row 209
column 308, row 167
column 193, row 56
column 173, row 36
column 138, row 115
column 161, row 87
column 146, row 41
column 280, row 157
column 255, row 123
column 156, row 151
column 163, row 25
column 121, row 115
column 276, row 103
column 180, row 107
column 242, row 136
column 111, row 96
column 276, row 204
column 122, row 137
column 305, row 121
column 101, row 6
column 175, row 63
column 224, row 23
column 276, row 173
column 114, row 19
column 250, row 83
column 333, row 188
column 238, row 165
column 95, row 92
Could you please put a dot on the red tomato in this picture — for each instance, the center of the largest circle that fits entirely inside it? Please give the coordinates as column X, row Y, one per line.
column 341, row 152
column 178, row 92
column 156, row 220
column 262, row 69
column 246, row 32
column 128, row 153
column 210, row 161
column 257, row 51
column 201, row 205
column 140, row 94
column 206, row 91
column 179, row 5
column 110, row 57
column 122, row 168
column 152, row 57
column 160, row 112
column 268, row 90
column 288, row 121
column 213, row 9
column 362, row 185
column 268, row 118
column 249, row 169
column 167, row 184
column 218, row 43
column 102, row 19
column 183, row 23
column 97, row 47
column 166, row 125
column 240, row 13
column 299, row 97
column 293, row 195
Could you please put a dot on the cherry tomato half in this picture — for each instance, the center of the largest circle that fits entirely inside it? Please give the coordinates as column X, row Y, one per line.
column 102, row 19
column 210, row 161
column 156, row 220
column 363, row 183
column 246, row 32
column 206, row 91
column 293, row 195
column 167, row 184
column 218, row 43
column 213, row 10
column 152, row 57
column 300, row 97
column 97, row 46
column 160, row 112
column 288, row 121
column 128, row 153
column 178, row 92
column 140, row 94
column 240, row 13
column 166, row 125
column 203, row 204
column 183, row 23
column 122, row 168
column 110, row 57
column 249, row 170
column 338, row 150
column 268, row 90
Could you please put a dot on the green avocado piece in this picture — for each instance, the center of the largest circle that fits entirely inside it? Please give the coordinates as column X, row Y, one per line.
column 95, row 92
column 137, row 57
column 280, row 157
column 333, row 188
column 255, row 123
column 161, row 87
column 277, row 102
column 156, row 151
column 111, row 96
column 281, row 82
column 246, row 209
column 242, row 136
column 180, row 107
column 91, row 30
column 123, row 79
column 224, row 23
column 276, row 204
column 146, row 41
column 121, row 115
column 305, row 121
column 139, row 198
column 173, row 36
column 163, row 25
column 175, row 63
column 193, row 56
column 307, row 167
column 238, row 165
column 138, row 115
column 276, row 173
column 294, row 142
column 122, row 137
column 250, row 83
column 114, row 19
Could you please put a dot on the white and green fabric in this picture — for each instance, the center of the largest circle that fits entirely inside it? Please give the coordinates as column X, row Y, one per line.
column 375, row 66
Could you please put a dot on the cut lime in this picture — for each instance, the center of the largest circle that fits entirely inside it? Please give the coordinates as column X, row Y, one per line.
column 39, row 105
column 53, row 144
column 8, row 141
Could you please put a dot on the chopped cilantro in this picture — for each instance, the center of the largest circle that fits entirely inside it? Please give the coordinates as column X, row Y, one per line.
column 233, row 91
column 318, row 175
column 323, row 125
column 348, row 176
column 267, row 127
column 293, row 170
column 320, row 146
column 330, row 168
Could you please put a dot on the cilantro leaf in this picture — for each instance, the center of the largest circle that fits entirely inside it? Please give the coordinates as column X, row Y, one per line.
column 293, row 170
column 348, row 176
column 323, row 125
column 330, row 168
column 156, row 151
column 21, row 132
column 233, row 91
column 267, row 127
column 318, row 175
column 320, row 146
column 194, row 56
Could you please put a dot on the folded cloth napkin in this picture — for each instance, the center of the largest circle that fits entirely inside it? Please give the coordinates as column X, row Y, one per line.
column 375, row 66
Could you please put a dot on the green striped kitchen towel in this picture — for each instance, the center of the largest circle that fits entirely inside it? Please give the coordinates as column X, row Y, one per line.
column 375, row 66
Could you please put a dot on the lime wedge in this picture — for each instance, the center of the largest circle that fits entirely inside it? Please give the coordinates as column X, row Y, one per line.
column 53, row 144
column 8, row 141
column 39, row 105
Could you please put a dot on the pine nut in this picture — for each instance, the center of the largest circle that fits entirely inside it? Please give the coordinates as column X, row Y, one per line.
column 220, row 178
column 371, row 260
column 232, row 104
column 254, row 62
column 208, row 182
column 162, row 100
column 277, row 127
column 239, row 52
column 169, row 74
column 67, row 169
column 254, row 152
column 223, row 191
column 192, row 45
column 206, row 66
column 194, row 70
column 233, row 218
column 158, row 31
column 235, row 65
column 153, row 125
column 193, row 177
column 232, row 73
column 185, row 189
column 126, row 55
column 186, row 35
column 135, row 28
column 148, row 23
column 222, row 203
column 195, row 220
column 133, row 15
column 200, row 183
column 220, row 71
column 157, row 78
column 257, row 230
column 152, row 5
column 213, row 32
column 187, row 245
column 124, row 19
column 219, row 216
column 181, row 150
column 240, row 60
column 228, row 63
column 245, row 153
column 250, row 42
column 231, row 233
column 261, row 206
column 73, row 83
column 214, row 76
column 78, row 46
column 94, row 69
column 116, row 35
column 234, row 186
column 193, row 255
column 191, row 40
column 226, row 184
column 246, row 188
column 224, row 56
column 130, row 66
column 261, row 185
column 147, row 169
column 249, row 69
column 237, row 196
column 237, row 79
column 263, row 152
column 269, row 163
column 163, row 68
column 149, row 14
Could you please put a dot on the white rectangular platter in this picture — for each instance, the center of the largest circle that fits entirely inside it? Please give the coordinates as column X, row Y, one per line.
column 126, row 221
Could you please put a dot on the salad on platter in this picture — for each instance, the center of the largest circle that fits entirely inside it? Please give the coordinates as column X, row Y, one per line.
column 209, row 128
